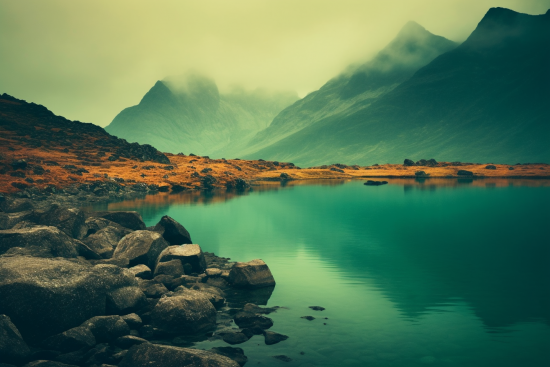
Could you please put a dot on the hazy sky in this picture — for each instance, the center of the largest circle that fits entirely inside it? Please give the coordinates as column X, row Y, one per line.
column 87, row 60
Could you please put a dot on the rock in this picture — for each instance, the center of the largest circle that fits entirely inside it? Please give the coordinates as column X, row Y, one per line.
column 48, row 364
column 236, row 354
column 309, row 318
column 173, row 232
column 317, row 308
column 16, row 205
column 421, row 174
column 251, row 320
column 173, row 268
column 141, row 247
column 141, row 271
column 38, row 241
column 250, row 307
column 215, row 295
column 273, row 338
column 104, row 241
column 125, row 300
column 234, row 337
column 284, row 176
column 375, row 183
column 9, row 220
column 13, row 348
column 94, row 224
column 107, row 328
column 19, row 164
column 408, row 162
column 44, row 297
column 153, row 355
column 133, row 320
column 131, row 220
column 70, row 220
column 283, row 358
column 128, row 341
column 187, row 254
column 71, row 340
column 511, row 168
column 490, row 166
column 463, row 172
column 252, row 274
column 213, row 272
column 152, row 288
column 187, row 313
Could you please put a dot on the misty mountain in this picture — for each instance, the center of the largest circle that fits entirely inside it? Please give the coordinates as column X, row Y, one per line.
column 485, row 100
column 359, row 86
column 189, row 114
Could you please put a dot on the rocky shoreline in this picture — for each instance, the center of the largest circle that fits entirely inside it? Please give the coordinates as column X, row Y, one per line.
column 100, row 289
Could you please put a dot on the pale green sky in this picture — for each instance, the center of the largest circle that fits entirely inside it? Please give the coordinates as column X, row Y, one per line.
column 87, row 60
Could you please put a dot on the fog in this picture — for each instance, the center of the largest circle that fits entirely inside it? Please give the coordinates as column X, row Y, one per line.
column 88, row 60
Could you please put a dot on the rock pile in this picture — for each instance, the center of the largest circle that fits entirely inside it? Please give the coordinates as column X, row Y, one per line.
column 99, row 289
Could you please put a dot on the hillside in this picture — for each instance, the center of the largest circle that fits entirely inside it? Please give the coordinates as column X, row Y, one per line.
column 486, row 100
column 189, row 114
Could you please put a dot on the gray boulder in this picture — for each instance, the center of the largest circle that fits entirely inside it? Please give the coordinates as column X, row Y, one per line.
column 14, row 205
column 69, row 220
column 129, row 219
column 125, row 300
column 252, row 274
column 153, row 355
column 152, row 288
column 236, row 354
column 107, row 328
column 133, row 320
column 44, row 297
column 104, row 241
column 185, row 313
column 172, row 231
column 13, row 348
column 39, row 241
column 128, row 341
column 187, row 254
column 141, row 271
column 141, row 247
column 8, row 220
column 272, row 337
column 71, row 340
column 464, row 172
column 173, row 268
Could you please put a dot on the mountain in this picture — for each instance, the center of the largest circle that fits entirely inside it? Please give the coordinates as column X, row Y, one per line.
column 486, row 100
column 189, row 114
column 359, row 86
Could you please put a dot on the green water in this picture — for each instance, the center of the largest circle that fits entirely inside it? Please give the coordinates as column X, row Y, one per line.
column 445, row 276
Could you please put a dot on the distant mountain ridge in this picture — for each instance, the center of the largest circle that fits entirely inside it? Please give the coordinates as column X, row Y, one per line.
column 486, row 100
column 189, row 114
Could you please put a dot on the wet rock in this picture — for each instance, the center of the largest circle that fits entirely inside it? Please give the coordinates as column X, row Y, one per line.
column 107, row 328
column 133, row 320
column 129, row 219
column 38, row 241
column 71, row 340
column 141, row 271
column 375, row 183
column 309, row 318
column 283, row 358
column 128, row 341
column 236, row 354
column 273, row 337
column 464, row 172
column 252, row 274
column 141, row 247
column 44, row 297
column 187, row 313
column 13, row 348
column 234, row 337
column 251, row 320
column 152, row 355
column 172, row 231
column 173, row 268
column 250, row 307
column 408, row 162
column 187, row 254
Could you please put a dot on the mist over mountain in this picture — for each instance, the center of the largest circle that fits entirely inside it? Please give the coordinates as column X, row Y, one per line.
column 189, row 114
column 486, row 100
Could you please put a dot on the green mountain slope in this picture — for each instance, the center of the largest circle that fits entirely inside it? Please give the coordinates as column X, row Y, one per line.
column 487, row 100
column 190, row 115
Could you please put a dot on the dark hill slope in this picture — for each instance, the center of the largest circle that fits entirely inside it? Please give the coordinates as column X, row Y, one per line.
column 486, row 100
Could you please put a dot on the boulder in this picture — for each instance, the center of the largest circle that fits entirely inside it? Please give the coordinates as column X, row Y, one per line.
column 185, row 313
column 214, row 295
column 173, row 232
column 38, row 241
column 141, row 271
column 94, row 224
column 71, row 340
column 273, row 337
column 490, row 166
column 421, row 174
column 104, row 241
column 464, row 172
column 187, row 254
column 251, row 320
column 48, row 364
column 128, row 341
column 152, row 288
column 107, row 328
column 69, row 220
column 9, row 220
column 129, row 219
column 10, row 205
column 44, row 297
column 133, row 321
column 408, row 162
column 236, row 354
column 173, row 268
column 125, row 300
column 252, row 274
column 141, row 247
column 13, row 348
column 154, row 355
column 234, row 337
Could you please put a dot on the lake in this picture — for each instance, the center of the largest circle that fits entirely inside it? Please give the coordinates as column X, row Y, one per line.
column 413, row 273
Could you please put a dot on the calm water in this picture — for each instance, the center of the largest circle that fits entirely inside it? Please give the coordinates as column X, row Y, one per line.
column 411, row 274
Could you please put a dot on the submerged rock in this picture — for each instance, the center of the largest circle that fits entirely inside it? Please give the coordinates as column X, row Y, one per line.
column 236, row 354
column 273, row 337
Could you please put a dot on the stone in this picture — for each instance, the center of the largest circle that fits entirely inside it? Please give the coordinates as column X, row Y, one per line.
column 309, row 318
column 375, row 183
column 141, row 247
column 38, row 241
column 252, row 274
column 152, row 288
column 13, row 348
column 187, row 254
column 10, row 205
column 234, row 337
column 9, row 220
column 71, row 340
column 250, row 307
column 464, row 172
column 128, row 341
column 213, row 272
column 44, row 297
column 251, row 320
column 408, row 162
column 141, row 271
column 125, row 300
column 48, row 364
column 128, row 219
column 186, row 313
column 273, row 337
column 173, row 232
column 107, row 328
column 317, row 308
column 133, row 321
column 236, row 354
column 70, row 220
column 104, row 241
column 173, row 268
column 420, row 174
column 283, row 358
column 490, row 166
column 153, row 355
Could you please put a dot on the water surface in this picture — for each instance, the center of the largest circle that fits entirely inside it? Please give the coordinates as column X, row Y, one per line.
column 440, row 272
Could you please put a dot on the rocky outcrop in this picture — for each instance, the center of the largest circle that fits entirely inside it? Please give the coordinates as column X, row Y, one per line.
column 252, row 274
column 141, row 247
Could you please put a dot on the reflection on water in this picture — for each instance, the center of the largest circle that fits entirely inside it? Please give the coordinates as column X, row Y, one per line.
column 440, row 272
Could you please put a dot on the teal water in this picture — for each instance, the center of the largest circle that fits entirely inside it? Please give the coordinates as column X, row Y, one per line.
column 445, row 276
